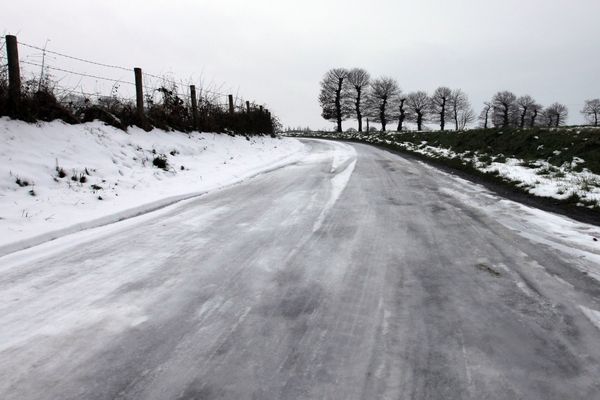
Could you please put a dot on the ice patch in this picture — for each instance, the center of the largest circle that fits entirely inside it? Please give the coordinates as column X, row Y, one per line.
column 342, row 153
column 592, row 315
column 338, row 183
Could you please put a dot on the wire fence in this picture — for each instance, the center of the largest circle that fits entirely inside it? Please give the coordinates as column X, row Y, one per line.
column 71, row 76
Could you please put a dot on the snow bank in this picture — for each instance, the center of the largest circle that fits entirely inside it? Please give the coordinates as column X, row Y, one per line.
column 538, row 177
column 57, row 178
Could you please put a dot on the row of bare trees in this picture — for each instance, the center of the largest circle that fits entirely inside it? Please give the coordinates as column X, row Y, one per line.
column 353, row 94
column 507, row 110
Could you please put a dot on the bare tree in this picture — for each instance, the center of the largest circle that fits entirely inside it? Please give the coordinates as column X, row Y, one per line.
column 460, row 109
column 535, row 111
column 591, row 111
column 334, row 95
column 525, row 106
column 418, row 105
column 504, row 105
column 359, row 80
column 383, row 96
column 439, row 105
column 465, row 117
column 484, row 116
column 401, row 112
column 556, row 115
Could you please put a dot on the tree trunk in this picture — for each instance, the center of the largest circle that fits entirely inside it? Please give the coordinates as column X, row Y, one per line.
column 382, row 115
column 522, row 125
column 367, row 125
column 595, row 119
column 443, row 115
column 419, row 120
column 358, row 113
column 402, row 116
column 505, row 116
column 338, row 105
column 533, row 117
column 485, row 123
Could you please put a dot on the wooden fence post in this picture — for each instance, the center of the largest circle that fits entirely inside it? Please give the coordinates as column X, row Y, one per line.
column 231, row 104
column 14, row 75
column 247, row 106
column 194, row 105
column 139, row 92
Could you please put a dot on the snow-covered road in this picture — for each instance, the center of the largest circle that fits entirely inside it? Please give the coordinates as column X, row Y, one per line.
column 352, row 274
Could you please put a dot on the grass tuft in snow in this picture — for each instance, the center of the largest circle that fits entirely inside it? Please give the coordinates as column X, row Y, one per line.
column 60, row 172
column 22, row 182
column 161, row 162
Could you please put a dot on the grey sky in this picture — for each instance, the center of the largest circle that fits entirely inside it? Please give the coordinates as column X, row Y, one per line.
column 277, row 51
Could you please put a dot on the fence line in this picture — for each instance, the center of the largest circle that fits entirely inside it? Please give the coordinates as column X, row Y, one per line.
column 163, row 78
column 150, row 89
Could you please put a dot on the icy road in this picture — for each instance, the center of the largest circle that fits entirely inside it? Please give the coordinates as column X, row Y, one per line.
column 353, row 274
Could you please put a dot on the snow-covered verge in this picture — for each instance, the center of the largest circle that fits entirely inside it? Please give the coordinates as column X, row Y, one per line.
column 537, row 177
column 57, row 178
column 570, row 181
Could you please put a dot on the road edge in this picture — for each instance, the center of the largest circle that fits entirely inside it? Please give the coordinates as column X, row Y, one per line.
column 499, row 188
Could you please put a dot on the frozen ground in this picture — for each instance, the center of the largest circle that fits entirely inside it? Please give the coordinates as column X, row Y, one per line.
column 109, row 174
column 353, row 273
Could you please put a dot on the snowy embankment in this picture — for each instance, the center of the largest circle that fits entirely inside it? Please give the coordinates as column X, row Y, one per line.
column 538, row 177
column 57, row 178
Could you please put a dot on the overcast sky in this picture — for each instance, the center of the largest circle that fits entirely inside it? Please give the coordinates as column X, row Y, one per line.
column 277, row 51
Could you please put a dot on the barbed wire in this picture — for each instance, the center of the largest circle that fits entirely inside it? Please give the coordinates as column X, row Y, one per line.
column 78, row 73
column 163, row 78
column 203, row 92
column 83, row 93
column 76, row 58
column 181, row 83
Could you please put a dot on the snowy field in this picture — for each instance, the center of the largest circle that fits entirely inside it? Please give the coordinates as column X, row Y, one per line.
column 57, row 178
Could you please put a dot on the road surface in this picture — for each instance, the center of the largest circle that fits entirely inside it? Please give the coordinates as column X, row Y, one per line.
column 354, row 274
